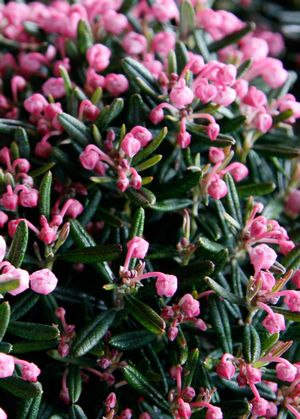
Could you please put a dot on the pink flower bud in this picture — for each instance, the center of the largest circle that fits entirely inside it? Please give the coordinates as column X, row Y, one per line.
column 138, row 246
column 189, row 306
column 116, row 84
column 181, row 95
column 184, row 409
column 43, row 150
column 16, row 273
column 110, row 401
column 172, row 333
column 166, row 285
column 217, row 188
column 3, row 415
column 258, row 226
column 130, row 145
column 259, row 406
column 225, row 369
column 272, row 410
column 93, row 79
column 2, row 248
column 114, row 23
column 156, row 115
column 238, row 171
column 267, row 280
column 142, row 134
column 212, row 131
column 143, row 415
column 87, row 110
column 226, row 96
column 255, row 97
column 7, row 365
column 216, row 155
column 3, row 219
column 262, row 257
column 183, row 139
column 296, row 279
column 226, row 75
column 201, row 325
column 134, row 43
column 55, row 87
column 98, row 57
column 292, row 300
column 188, row 394
column 263, row 122
column 163, row 42
column 28, row 197
column 122, row 182
column 205, row 92
column 214, row 413
column 285, row 246
column 30, row 371
column 74, row 209
column 241, row 88
column 43, row 281
column 22, row 165
column 273, row 73
column 286, row 371
column 274, row 324
column 292, row 205
column 254, row 49
column 9, row 199
column 135, row 179
column 164, row 10
column 89, row 158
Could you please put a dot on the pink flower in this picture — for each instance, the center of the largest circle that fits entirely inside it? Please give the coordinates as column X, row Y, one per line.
column 114, row 23
column 87, row 110
column 156, row 115
column 138, row 247
column 226, row 75
column 213, row 130
column 189, row 306
column 28, row 197
column 7, row 365
column 116, row 84
column 3, row 219
column 93, row 79
column 134, row 43
column 255, row 97
column 142, row 134
column 89, row 158
column 225, row 368
column 216, row 155
column 217, row 188
column 130, row 145
column 110, row 401
column 9, row 199
column 3, row 415
column 275, row 323
column 214, row 413
column 164, row 10
column 183, row 139
column 43, row 281
column 98, row 57
column 204, row 91
column 166, row 285
column 12, row 273
column 286, row 371
column 296, row 279
column 184, row 409
column 237, row 170
column 2, row 248
column 181, row 95
column 30, row 371
column 163, row 42
column 55, row 87
column 172, row 333
column 292, row 300
column 263, row 122
column 262, row 257
column 259, row 406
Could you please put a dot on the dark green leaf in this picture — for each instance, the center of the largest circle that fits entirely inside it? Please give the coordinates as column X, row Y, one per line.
column 19, row 245
column 145, row 315
column 92, row 333
column 181, row 56
column 33, row 331
column 251, row 344
column 178, row 187
column 172, row 205
column 109, row 113
column 33, row 346
column 190, row 367
column 232, row 38
column 232, row 199
column 243, row 68
column 221, row 324
column 84, row 36
column 256, row 189
column 277, row 151
column 223, row 293
column 292, row 259
column 75, row 128
column 29, row 408
column 136, row 110
column 152, row 161
column 45, row 195
column 141, row 197
column 24, row 303
column 95, row 254
column 8, row 285
column 21, row 139
column 230, row 125
column 187, row 18
column 76, row 412
column 131, row 340
column 74, row 383
column 20, row 388
column 151, row 147
column 139, row 382
column 137, row 225
column 4, row 318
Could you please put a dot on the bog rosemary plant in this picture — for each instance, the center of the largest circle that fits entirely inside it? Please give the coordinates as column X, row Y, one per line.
column 149, row 213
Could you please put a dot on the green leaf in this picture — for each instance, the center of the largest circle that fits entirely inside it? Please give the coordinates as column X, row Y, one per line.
column 141, row 197
column 292, row 259
column 21, row 139
column 29, row 408
column 95, row 254
column 91, row 207
column 136, row 110
column 138, row 222
column 221, row 324
column 75, row 129
column 83, row 240
column 9, row 286
column 172, row 205
column 230, row 125
column 235, row 408
column 145, row 315
column 20, row 388
column 172, row 62
column 19, row 245
column 181, row 56
column 5, row 347
column 243, row 68
column 151, row 147
column 149, row 163
column 74, row 383
column 255, row 189
column 92, row 333
column 201, row 45
column 24, row 303
column 33, row 331
column 277, row 151
column 41, row 170
column 109, row 113
column 268, row 341
column 190, row 367
column 183, row 350
column 187, row 19
column 4, row 318
column 140, row 383
column 33, row 346
column 199, row 135
column 232, row 38
column 251, row 344
column 45, row 195
column 134, row 69
column 223, row 293
column 84, row 36
column 131, row 340
column 282, row 116
column 232, row 199
column 178, row 187
column 76, row 412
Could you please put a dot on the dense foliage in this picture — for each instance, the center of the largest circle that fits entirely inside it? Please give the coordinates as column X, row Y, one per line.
column 149, row 204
